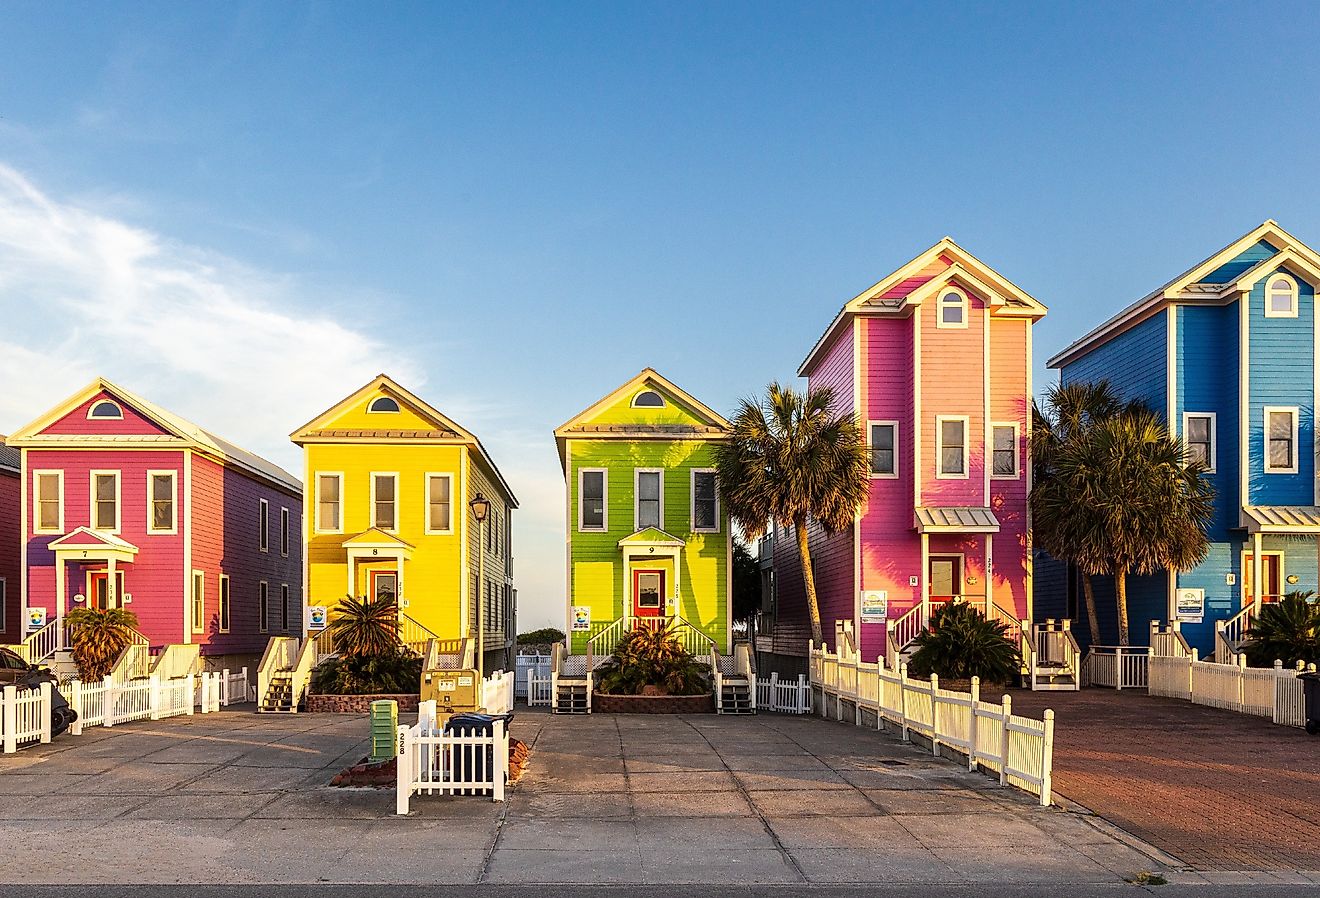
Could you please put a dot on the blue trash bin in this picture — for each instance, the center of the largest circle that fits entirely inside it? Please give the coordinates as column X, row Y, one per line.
column 471, row 761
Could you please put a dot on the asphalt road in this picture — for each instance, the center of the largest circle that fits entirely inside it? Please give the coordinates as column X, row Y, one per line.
column 906, row 890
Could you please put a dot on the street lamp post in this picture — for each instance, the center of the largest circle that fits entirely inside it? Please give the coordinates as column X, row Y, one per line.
column 480, row 506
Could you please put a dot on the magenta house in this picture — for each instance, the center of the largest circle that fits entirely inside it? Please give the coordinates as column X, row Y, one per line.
column 934, row 362
column 11, row 538
column 127, row 505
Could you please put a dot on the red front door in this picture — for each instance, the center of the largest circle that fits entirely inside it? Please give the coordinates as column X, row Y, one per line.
column 945, row 577
column 99, row 595
column 648, row 593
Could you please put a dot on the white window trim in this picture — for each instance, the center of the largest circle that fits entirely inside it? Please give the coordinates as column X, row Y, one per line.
column 426, row 502
column 1017, row 451
column 940, row 304
column 316, row 498
column 872, row 474
column 91, row 499
column 939, row 447
column 692, row 500
column 197, row 626
column 36, row 500
column 604, row 500
column 1292, row 285
column 395, row 476
column 224, row 596
column 285, row 539
column 633, row 403
column 263, row 526
column 375, row 399
column 637, row 496
column 1293, row 410
column 263, row 614
column 174, row 503
column 92, row 407
column 1212, row 462
column 4, row 600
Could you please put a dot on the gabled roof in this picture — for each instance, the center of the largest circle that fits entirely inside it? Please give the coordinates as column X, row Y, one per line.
column 1208, row 281
column 704, row 422
column 87, row 538
column 651, row 536
column 374, row 537
column 441, row 430
column 944, row 263
column 179, row 430
column 11, row 458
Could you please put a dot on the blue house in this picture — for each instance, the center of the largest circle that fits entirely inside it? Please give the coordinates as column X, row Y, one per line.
column 1227, row 353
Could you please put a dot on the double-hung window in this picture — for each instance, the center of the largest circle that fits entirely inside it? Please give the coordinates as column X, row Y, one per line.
column 1280, row 440
column 438, row 503
column 951, row 447
column 198, row 602
column 1004, row 451
column 284, row 532
column 705, row 502
column 328, row 490
column 952, row 309
column 105, row 501
column 1199, row 437
column 384, row 507
column 263, row 607
column 48, row 501
column 161, row 501
column 263, row 525
column 649, row 510
column 592, row 493
column 284, row 607
column 883, row 448
column 222, row 604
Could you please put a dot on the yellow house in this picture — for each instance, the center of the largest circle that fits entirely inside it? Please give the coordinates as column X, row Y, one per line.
column 390, row 483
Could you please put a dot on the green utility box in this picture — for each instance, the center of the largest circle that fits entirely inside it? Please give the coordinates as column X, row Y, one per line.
column 384, row 729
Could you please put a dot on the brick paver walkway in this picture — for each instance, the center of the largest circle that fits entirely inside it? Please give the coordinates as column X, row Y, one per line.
column 1220, row 791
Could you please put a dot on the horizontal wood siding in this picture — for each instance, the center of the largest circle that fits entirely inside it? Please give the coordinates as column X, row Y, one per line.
column 76, row 421
column 11, row 557
column 1282, row 363
column 952, row 383
column 498, row 561
column 1010, row 365
column 155, row 577
column 1135, row 364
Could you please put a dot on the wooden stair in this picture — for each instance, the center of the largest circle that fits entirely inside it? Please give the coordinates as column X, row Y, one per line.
column 279, row 695
column 736, row 696
column 572, row 696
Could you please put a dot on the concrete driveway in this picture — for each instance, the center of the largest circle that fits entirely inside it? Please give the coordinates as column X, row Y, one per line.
column 239, row 797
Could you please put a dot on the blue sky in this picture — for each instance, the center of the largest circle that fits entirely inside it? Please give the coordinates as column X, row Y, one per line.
column 247, row 210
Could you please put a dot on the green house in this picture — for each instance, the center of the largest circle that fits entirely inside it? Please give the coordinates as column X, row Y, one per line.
column 647, row 538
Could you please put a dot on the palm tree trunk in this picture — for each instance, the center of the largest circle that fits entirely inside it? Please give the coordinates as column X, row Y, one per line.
column 1120, row 591
column 809, row 579
column 1091, row 617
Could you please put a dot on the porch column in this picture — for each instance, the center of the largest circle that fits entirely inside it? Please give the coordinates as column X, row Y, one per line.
column 1255, row 568
column 989, row 576
column 398, row 566
column 352, row 584
column 112, row 597
column 61, row 589
column 925, row 577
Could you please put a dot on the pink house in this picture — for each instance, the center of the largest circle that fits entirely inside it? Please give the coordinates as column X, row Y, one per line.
column 934, row 362
column 128, row 505
column 11, row 538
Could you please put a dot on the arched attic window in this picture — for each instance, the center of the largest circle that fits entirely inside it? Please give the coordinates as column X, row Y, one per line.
column 648, row 399
column 105, row 410
column 952, row 309
column 383, row 404
column 1280, row 297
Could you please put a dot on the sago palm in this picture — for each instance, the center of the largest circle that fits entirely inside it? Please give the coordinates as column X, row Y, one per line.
column 97, row 637
column 1138, row 504
column 961, row 643
column 793, row 458
column 1287, row 631
column 365, row 626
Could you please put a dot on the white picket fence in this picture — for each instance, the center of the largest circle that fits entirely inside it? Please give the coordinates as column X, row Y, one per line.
column 784, row 696
column 462, row 763
column 24, row 716
column 1116, row 666
column 497, row 692
column 989, row 735
column 538, row 688
column 1274, row 692
column 527, row 668
column 235, row 687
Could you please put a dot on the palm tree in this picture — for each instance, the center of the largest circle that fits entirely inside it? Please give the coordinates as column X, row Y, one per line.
column 1068, row 414
column 98, row 637
column 366, row 626
column 1139, row 504
column 792, row 458
column 1287, row 631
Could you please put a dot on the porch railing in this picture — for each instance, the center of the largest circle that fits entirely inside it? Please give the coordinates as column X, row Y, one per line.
column 41, row 644
column 603, row 642
column 902, row 631
column 1231, row 633
column 1117, row 666
column 1168, row 643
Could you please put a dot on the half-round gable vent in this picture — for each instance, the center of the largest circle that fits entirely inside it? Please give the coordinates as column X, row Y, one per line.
column 383, row 404
column 105, row 410
column 648, row 399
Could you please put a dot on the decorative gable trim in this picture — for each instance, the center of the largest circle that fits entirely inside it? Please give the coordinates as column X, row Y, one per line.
column 714, row 423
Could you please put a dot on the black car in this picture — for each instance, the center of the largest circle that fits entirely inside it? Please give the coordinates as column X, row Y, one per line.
column 14, row 671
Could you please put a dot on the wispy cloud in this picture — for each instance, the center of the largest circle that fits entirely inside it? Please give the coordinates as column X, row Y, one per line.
column 241, row 351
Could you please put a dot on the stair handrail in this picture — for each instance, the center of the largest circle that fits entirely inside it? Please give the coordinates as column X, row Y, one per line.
column 281, row 654
column 1231, row 633
column 1013, row 625
column 743, row 662
column 604, row 641
column 39, row 645
column 448, row 654
column 133, row 663
column 693, row 640
column 413, row 634
column 716, row 679
column 905, row 628
column 1169, row 642
column 301, row 675
column 177, row 660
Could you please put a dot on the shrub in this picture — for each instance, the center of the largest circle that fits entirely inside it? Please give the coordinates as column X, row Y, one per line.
column 1287, row 631
column 365, row 627
column 543, row 636
column 652, row 657
column 962, row 644
column 98, row 637
column 398, row 673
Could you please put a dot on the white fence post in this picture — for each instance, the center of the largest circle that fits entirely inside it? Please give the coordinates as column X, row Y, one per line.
column 76, row 705
column 403, row 773
column 902, row 700
column 1003, row 740
column 1047, row 759
column 153, row 696
column 9, row 708
column 934, row 715
column 971, row 723
column 224, row 696
column 108, row 698
column 500, row 765
column 45, row 712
